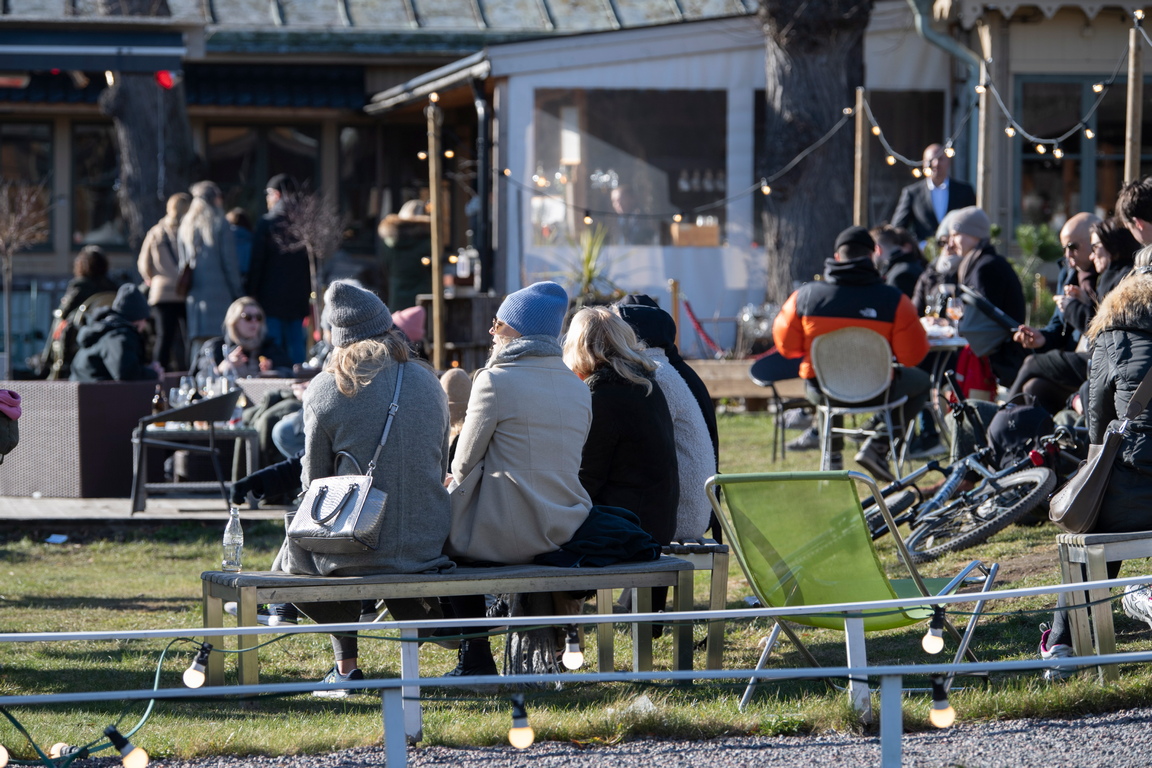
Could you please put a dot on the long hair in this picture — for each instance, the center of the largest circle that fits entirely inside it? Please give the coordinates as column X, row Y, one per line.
column 232, row 317
column 355, row 365
column 1117, row 240
column 203, row 214
column 598, row 337
column 176, row 208
column 1126, row 306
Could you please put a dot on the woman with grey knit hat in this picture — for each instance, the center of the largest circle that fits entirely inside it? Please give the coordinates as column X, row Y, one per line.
column 345, row 407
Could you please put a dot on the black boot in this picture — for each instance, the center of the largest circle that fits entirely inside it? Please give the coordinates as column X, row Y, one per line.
column 474, row 658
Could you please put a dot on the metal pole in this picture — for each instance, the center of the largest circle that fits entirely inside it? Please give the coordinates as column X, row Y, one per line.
column 395, row 745
column 435, row 119
column 1135, row 104
column 891, row 720
column 860, row 185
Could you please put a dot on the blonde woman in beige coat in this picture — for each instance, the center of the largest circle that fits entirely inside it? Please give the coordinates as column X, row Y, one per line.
column 515, row 481
column 159, row 265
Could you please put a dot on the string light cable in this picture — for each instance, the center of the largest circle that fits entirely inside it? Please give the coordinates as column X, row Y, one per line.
column 893, row 156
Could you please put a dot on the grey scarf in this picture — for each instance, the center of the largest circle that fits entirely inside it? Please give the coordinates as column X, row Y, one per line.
column 526, row 346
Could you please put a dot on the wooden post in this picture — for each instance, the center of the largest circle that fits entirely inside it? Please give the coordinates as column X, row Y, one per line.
column 436, row 212
column 983, row 174
column 674, row 289
column 860, row 187
column 1135, row 104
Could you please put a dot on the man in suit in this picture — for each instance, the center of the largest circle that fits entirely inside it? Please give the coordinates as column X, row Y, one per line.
column 922, row 205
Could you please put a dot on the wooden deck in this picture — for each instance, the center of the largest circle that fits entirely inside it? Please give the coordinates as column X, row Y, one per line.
column 168, row 509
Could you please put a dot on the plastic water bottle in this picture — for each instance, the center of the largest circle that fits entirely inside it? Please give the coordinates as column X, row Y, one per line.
column 233, row 541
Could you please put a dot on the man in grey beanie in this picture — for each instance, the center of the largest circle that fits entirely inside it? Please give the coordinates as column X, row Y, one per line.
column 112, row 344
column 515, row 482
column 988, row 273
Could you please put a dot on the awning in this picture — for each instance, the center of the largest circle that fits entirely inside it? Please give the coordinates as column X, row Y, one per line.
column 24, row 50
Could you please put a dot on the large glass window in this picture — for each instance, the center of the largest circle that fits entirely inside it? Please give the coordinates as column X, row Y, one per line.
column 26, row 157
column 96, row 217
column 359, row 192
column 241, row 159
column 629, row 160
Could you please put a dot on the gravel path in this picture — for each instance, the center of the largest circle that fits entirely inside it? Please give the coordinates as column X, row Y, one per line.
column 1106, row 741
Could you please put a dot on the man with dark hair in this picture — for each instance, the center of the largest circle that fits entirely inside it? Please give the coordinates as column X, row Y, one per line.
column 897, row 258
column 278, row 274
column 922, row 205
column 852, row 293
column 1135, row 208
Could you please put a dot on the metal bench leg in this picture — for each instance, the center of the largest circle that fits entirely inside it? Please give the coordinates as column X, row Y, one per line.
column 682, row 631
column 858, row 657
column 213, row 619
column 718, row 602
column 604, row 633
column 247, row 661
column 642, row 633
column 1103, row 632
column 410, row 670
column 140, row 477
column 395, row 744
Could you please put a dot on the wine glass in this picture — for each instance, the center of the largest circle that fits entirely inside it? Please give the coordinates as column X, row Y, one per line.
column 955, row 309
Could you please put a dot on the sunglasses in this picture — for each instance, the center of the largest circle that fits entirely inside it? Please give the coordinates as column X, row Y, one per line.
column 1072, row 247
column 246, row 316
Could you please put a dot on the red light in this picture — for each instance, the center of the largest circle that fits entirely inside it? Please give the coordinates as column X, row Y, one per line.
column 1036, row 457
column 165, row 80
column 54, row 71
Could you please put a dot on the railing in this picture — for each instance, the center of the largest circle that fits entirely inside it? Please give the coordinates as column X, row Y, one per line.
column 396, row 692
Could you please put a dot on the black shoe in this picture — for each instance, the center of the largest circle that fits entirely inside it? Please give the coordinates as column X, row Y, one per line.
column 873, row 456
column 474, row 659
column 334, row 676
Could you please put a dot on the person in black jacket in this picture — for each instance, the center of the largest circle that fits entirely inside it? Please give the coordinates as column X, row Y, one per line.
column 898, row 258
column 988, row 273
column 112, row 345
column 1121, row 335
column 279, row 276
column 922, row 205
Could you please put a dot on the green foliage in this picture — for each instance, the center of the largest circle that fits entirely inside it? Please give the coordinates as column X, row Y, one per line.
column 587, row 272
column 1039, row 241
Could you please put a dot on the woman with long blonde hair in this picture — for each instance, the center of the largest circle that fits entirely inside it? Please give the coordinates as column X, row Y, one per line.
column 206, row 244
column 629, row 457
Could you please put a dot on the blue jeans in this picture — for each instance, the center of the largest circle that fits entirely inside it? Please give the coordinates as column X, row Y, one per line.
column 288, row 434
column 289, row 334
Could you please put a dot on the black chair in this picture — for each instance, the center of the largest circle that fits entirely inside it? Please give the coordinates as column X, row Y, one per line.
column 211, row 410
column 767, row 372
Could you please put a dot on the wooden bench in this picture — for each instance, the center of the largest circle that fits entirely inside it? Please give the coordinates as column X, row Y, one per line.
column 707, row 555
column 1094, row 551
column 249, row 589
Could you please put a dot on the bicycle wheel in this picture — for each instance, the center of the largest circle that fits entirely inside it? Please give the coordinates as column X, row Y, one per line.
column 899, row 502
column 969, row 524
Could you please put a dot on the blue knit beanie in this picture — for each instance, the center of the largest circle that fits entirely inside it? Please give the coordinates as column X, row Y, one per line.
column 537, row 310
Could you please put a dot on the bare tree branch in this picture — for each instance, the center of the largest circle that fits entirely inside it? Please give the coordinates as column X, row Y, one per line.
column 311, row 222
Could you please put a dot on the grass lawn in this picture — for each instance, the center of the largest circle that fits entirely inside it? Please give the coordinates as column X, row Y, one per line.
column 132, row 578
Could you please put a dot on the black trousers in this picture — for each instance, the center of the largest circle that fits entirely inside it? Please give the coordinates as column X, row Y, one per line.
column 170, row 318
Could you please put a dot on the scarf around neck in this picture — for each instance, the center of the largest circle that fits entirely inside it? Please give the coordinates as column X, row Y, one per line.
column 526, row 346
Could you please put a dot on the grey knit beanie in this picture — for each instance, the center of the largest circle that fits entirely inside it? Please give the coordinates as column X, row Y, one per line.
column 356, row 314
column 971, row 221
column 537, row 310
column 130, row 303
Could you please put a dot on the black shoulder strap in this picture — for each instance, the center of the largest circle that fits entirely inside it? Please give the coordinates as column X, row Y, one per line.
column 1140, row 397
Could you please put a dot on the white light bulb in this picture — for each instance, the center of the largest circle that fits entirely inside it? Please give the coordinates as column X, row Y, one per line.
column 588, row 219
column 1041, row 149
column 521, row 737
column 917, row 172
column 193, row 677
column 1097, row 87
column 1009, row 131
column 573, row 659
column 875, row 130
column 1089, row 133
column 949, row 151
column 933, row 641
column 110, row 77
column 135, row 758
column 980, row 89
column 57, row 749
column 3, row 756
column 1057, row 153
column 765, row 189
column 890, row 160
column 941, row 715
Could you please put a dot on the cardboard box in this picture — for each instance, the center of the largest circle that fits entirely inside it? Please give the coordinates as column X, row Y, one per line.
column 690, row 234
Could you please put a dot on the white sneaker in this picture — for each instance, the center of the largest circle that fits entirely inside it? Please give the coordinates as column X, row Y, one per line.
column 1057, row 651
column 1137, row 602
column 809, row 440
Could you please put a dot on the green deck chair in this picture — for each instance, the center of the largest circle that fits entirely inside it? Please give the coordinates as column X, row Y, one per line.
column 802, row 539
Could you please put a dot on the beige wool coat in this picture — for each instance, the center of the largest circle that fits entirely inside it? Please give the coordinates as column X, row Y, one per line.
column 158, row 263
column 517, row 461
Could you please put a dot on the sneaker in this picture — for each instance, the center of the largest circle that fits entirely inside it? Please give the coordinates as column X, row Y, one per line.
column 1137, row 602
column 1056, row 651
column 835, row 462
column 926, row 447
column 809, row 440
column 270, row 615
column 873, row 456
column 334, row 676
column 796, row 418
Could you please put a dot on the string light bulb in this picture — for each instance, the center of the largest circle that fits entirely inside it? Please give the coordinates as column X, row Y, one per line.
column 448, row 153
column 677, row 217
column 1057, row 153
column 3, row 756
column 949, row 151
column 764, row 188
column 422, row 155
column 425, row 260
column 110, row 77
column 507, row 171
column 433, row 97
column 1097, row 87
column 57, row 749
column 980, row 89
column 1089, row 133
column 60, row 749
column 1009, row 131
column 933, row 641
column 1041, row 149
column 520, row 735
column 875, row 130
column 573, row 657
column 1138, row 14
column 917, row 172
column 942, row 715
column 130, row 754
column 848, row 110
column 194, row 676
column 588, row 218
column 890, row 160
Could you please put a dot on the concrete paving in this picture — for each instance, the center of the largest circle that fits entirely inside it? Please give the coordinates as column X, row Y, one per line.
column 159, row 509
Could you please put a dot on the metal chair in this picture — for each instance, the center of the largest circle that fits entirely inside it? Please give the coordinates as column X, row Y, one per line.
column 802, row 539
column 854, row 367
column 211, row 410
column 767, row 372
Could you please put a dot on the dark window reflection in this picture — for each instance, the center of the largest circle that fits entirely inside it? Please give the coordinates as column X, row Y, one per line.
column 96, row 217
column 26, row 158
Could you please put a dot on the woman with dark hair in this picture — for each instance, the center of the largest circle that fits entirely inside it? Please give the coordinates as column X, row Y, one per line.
column 89, row 277
column 245, row 349
column 1052, row 377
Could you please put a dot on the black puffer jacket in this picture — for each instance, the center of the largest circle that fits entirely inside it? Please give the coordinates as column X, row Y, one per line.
column 1121, row 358
column 110, row 350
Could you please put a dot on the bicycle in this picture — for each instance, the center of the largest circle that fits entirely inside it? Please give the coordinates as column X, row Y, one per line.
column 953, row 519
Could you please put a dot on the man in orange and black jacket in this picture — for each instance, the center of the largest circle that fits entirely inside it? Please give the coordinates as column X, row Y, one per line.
column 853, row 293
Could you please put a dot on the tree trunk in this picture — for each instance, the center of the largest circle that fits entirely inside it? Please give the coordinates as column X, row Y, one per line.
column 814, row 61
column 152, row 130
